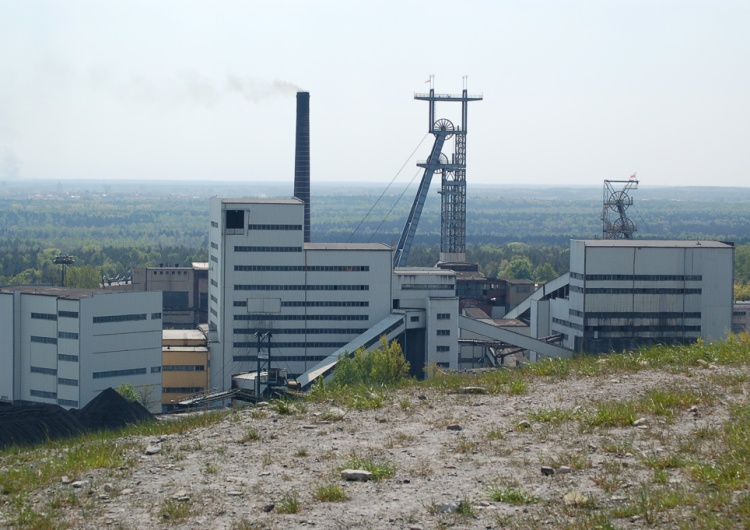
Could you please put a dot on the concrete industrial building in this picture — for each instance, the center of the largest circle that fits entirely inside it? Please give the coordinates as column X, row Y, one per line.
column 621, row 294
column 184, row 292
column 185, row 365
column 64, row 346
column 314, row 299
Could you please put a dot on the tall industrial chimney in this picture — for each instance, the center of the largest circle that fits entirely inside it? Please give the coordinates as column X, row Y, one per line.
column 302, row 157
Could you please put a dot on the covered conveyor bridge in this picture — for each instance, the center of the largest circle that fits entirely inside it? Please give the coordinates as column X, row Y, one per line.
column 491, row 332
column 391, row 326
column 550, row 289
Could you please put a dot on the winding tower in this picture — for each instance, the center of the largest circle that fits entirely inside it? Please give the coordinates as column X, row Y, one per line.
column 615, row 222
column 453, row 174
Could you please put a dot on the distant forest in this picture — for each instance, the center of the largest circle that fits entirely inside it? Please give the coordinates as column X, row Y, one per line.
column 111, row 227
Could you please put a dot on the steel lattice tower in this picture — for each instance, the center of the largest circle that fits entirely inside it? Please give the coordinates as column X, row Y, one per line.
column 453, row 190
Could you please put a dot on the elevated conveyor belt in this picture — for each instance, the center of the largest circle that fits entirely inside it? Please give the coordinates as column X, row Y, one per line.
column 511, row 337
column 391, row 326
column 544, row 291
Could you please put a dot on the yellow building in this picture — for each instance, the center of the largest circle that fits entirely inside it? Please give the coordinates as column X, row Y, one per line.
column 185, row 372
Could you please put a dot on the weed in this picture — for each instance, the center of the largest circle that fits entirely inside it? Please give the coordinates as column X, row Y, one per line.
column 210, row 469
column 495, row 434
column 554, row 416
column 466, row 446
column 518, row 387
column 330, row 493
column 174, row 511
column 289, row 503
column 283, row 407
column 301, row 452
column 379, row 469
column 465, row 508
column 251, row 435
column 510, row 495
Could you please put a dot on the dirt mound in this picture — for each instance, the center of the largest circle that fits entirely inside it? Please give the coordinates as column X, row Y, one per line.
column 109, row 410
column 26, row 425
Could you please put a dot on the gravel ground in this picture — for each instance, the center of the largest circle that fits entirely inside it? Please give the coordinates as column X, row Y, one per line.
column 448, row 449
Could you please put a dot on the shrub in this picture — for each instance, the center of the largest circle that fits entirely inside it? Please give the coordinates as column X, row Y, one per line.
column 381, row 367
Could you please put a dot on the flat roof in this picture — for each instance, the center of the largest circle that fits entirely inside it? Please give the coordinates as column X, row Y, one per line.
column 413, row 271
column 347, row 246
column 259, row 200
column 69, row 293
column 654, row 243
column 182, row 334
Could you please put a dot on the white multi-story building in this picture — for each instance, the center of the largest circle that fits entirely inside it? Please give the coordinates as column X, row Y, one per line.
column 64, row 346
column 626, row 293
column 314, row 299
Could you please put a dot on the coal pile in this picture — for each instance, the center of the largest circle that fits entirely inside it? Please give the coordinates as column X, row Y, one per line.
column 33, row 424
column 109, row 410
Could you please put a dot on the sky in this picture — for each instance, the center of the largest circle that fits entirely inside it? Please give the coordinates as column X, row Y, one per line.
column 574, row 92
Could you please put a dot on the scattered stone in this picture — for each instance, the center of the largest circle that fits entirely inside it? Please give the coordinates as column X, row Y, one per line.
column 575, row 498
column 703, row 363
column 639, row 422
column 472, row 390
column 548, row 471
column 152, row 450
column 79, row 484
column 335, row 413
column 416, row 527
column 371, row 395
column 65, row 480
column 524, row 424
column 107, row 487
column 269, row 507
column 181, row 495
column 448, row 507
column 421, row 397
column 235, row 493
column 356, row 474
column 126, row 491
column 563, row 470
column 693, row 409
column 262, row 404
column 454, row 427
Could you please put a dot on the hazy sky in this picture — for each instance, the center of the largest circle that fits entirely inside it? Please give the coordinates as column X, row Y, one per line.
column 574, row 91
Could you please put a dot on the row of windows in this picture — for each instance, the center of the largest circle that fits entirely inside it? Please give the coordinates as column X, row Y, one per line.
column 443, row 348
column 214, row 259
column 182, row 389
column 67, row 382
column 44, row 316
column 45, row 371
column 119, row 373
column 66, row 335
column 274, row 227
column 443, row 333
column 214, row 246
column 326, row 303
column 43, row 340
column 214, row 224
column 280, row 358
column 443, row 316
column 239, row 248
column 68, row 314
column 68, row 403
column 634, row 314
column 184, row 368
column 567, row 324
column 428, row 287
column 214, row 283
column 299, row 317
column 628, row 290
column 155, row 369
column 302, row 268
column 302, row 331
column 641, row 329
column 170, row 272
column 66, row 357
column 637, row 277
column 155, row 316
column 301, row 287
column 120, row 318
column 214, row 313
column 43, row 394
column 254, row 344
column 216, row 300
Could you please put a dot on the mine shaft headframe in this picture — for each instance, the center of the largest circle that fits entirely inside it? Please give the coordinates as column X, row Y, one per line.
column 615, row 201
